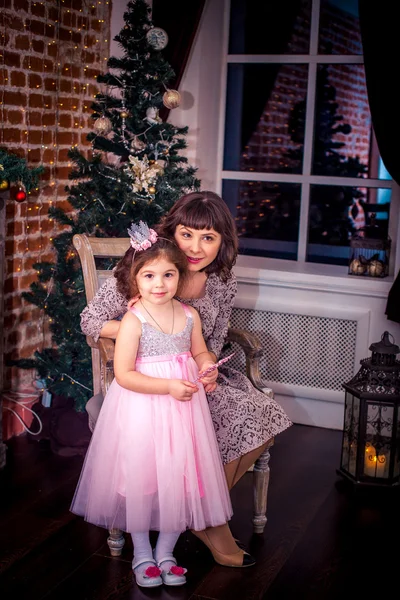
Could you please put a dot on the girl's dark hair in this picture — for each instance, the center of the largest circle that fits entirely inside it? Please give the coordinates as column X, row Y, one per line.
column 205, row 210
column 131, row 263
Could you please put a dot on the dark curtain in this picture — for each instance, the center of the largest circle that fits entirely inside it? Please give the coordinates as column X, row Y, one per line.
column 180, row 19
column 380, row 38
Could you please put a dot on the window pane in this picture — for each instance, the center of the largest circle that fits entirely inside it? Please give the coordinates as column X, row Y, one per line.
column 337, row 212
column 342, row 141
column 339, row 31
column 267, row 216
column 264, row 127
column 265, row 27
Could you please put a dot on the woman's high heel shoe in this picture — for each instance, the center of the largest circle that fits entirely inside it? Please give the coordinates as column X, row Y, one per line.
column 238, row 559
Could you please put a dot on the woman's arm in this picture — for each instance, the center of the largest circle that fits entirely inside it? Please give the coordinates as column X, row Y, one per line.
column 126, row 347
column 97, row 319
column 225, row 299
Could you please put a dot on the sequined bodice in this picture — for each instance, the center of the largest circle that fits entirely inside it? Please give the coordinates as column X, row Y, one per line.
column 156, row 343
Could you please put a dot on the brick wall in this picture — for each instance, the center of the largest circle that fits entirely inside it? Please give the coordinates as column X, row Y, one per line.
column 51, row 53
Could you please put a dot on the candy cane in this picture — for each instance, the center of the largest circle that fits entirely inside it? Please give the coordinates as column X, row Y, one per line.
column 213, row 367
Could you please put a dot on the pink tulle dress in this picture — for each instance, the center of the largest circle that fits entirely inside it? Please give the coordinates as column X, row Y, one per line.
column 153, row 462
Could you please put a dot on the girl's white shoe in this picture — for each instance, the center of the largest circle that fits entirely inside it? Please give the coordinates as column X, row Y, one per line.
column 149, row 577
column 175, row 575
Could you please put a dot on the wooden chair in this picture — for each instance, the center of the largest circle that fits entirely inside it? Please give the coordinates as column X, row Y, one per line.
column 92, row 248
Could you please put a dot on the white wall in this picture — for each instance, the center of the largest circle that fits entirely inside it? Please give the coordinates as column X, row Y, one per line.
column 201, row 95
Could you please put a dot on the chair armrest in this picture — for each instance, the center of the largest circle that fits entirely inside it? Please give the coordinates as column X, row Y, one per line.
column 90, row 341
column 253, row 351
column 106, row 347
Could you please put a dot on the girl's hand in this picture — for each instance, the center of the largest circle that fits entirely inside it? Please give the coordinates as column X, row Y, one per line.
column 182, row 390
column 133, row 301
column 211, row 378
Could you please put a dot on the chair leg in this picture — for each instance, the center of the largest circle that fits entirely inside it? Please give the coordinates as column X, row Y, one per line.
column 115, row 542
column 260, row 489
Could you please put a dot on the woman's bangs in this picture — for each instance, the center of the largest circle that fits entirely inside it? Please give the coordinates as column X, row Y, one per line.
column 200, row 216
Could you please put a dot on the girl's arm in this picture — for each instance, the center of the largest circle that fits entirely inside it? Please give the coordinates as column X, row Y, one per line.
column 97, row 319
column 126, row 347
column 201, row 355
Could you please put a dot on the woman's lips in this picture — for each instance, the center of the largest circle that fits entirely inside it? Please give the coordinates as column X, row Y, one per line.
column 194, row 261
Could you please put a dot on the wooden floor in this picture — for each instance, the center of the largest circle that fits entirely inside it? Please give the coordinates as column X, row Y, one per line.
column 323, row 540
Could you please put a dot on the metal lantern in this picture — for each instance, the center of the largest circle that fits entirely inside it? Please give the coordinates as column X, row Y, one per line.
column 371, row 431
column 370, row 251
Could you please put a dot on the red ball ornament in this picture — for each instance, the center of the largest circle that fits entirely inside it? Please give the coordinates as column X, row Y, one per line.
column 20, row 196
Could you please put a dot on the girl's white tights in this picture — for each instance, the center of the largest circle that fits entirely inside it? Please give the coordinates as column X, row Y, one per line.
column 164, row 548
column 142, row 549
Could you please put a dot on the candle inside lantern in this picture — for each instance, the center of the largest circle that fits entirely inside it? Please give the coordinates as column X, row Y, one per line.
column 370, row 460
column 380, row 465
column 374, row 466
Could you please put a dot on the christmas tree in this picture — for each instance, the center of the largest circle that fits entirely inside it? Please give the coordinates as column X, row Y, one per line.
column 134, row 172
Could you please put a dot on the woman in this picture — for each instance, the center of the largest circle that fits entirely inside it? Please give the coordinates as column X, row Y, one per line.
column 244, row 418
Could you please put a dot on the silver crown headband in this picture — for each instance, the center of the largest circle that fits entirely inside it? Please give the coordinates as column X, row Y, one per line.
column 142, row 237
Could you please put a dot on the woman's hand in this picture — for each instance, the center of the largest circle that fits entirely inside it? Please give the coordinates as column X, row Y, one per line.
column 133, row 301
column 182, row 390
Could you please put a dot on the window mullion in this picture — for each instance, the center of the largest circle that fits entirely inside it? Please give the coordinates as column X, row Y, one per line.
column 307, row 162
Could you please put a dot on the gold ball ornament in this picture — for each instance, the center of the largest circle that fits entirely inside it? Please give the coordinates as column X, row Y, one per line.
column 124, row 114
column 102, row 125
column 4, row 185
column 171, row 99
column 357, row 267
column 376, row 268
column 152, row 190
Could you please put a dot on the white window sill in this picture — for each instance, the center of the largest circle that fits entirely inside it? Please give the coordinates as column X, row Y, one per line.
column 256, row 270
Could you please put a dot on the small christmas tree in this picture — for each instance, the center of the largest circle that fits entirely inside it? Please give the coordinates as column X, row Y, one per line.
column 331, row 213
column 135, row 172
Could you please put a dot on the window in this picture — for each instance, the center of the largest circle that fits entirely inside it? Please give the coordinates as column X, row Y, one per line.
column 301, row 170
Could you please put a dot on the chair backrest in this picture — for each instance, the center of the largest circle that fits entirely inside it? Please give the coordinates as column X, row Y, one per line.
column 90, row 248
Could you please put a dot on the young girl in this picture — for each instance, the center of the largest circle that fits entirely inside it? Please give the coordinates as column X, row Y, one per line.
column 153, row 462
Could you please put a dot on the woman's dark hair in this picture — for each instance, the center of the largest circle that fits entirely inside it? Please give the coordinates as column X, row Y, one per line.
column 205, row 210
column 131, row 263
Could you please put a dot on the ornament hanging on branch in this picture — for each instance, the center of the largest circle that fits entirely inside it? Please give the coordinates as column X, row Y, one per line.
column 143, row 174
column 171, row 99
column 152, row 116
column 102, row 126
column 137, row 144
column 157, row 38
column 20, row 196
column 4, row 185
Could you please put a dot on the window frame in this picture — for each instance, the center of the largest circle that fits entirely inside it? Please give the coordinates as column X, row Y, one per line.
column 305, row 179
